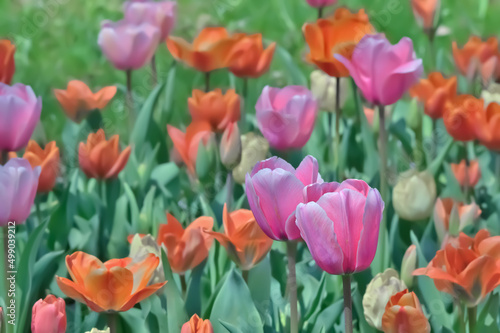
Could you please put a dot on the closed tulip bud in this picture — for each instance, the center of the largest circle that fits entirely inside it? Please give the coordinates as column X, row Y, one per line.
column 414, row 116
column 141, row 248
column 254, row 149
column 95, row 330
column 467, row 175
column 408, row 265
column 49, row 315
column 377, row 294
column 403, row 313
column 451, row 217
column 324, row 89
column 230, row 146
column 414, row 195
column 7, row 63
column 197, row 325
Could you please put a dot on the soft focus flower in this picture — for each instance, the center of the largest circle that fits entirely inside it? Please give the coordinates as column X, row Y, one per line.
column 403, row 313
column 254, row 149
column 460, row 117
column 78, row 100
column 341, row 243
column 161, row 14
column 414, row 195
column 126, row 45
column 20, row 111
column 491, row 94
column 337, row 34
column 100, row 158
column 451, row 217
column 286, row 116
column 466, row 175
column 248, row 58
column 186, row 144
column 95, row 330
column 230, row 146
column 274, row 189
column 18, row 184
column 7, row 63
column 408, row 265
column 215, row 108
column 321, row 3
column 324, row 89
column 48, row 159
column 488, row 125
column 197, row 325
column 434, row 92
column 141, row 246
column 477, row 57
column 186, row 248
column 382, row 71
column 49, row 315
column 425, row 12
column 245, row 242
column 377, row 294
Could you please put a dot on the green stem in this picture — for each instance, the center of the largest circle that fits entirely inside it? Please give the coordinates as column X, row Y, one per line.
column 434, row 138
column 291, row 249
column 112, row 321
column 229, row 190
column 207, row 81
column 383, row 182
column 4, row 156
column 461, row 317
column 466, row 180
column 38, row 209
column 472, row 314
column 183, row 284
column 320, row 12
column 497, row 168
column 346, row 282
column 338, row 116
column 102, row 221
column 244, row 274
column 154, row 72
column 129, row 101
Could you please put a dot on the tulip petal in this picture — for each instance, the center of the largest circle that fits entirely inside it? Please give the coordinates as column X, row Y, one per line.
column 308, row 171
column 141, row 295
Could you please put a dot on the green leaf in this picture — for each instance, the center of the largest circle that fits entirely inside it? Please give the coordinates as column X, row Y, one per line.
column 176, row 313
column 229, row 327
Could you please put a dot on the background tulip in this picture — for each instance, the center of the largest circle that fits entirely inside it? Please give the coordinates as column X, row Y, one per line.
column 403, row 313
column 321, row 3
column 248, row 57
column 466, row 175
column 286, row 116
column 48, row 159
column 324, row 89
column 218, row 109
column 425, row 12
column 254, row 149
column 230, row 146
column 161, row 14
column 414, row 195
column 475, row 57
column 461, row 115
column 197, row 325
column 435, row 92
column 488, row 125
column 451, row 217
column 49, row 315
column 7, row 62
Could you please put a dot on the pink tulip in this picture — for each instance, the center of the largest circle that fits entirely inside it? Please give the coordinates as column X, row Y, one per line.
column 161, row 14
column 49, row 315
column 286, row 116
column 18, row 184
column 20, row 111
column 127, row 45
column 340, row 224
column 274, row 189
column 382, row 71
column 321, row 3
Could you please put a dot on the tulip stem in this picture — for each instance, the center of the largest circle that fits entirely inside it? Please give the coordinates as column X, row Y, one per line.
column 461, row 317
column 291, row 249
column 154, row 72
column 182, row 277
column 472, row 314
column 129, row 98
column 229, row 189
column 346, row 282
column 320, row 12
column 112, row 322
column 244, row 274
column 338, row 116
column 466, row 175
column 207, row 81
column 4, row 156
column 383, row 182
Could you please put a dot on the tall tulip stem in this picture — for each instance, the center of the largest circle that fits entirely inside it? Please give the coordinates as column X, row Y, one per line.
column 112, row 321
column 346, row 282
column 320, row 12
column 338, row 116
column 154, row 72
column 291, row 249
column 472, row 314
column 129, row 99
column 4, row 156
column 182, row 277
column 229, row 189
column 383, row 181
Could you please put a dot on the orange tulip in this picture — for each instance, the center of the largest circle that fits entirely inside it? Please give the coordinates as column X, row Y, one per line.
column 7, row 63
column 215, row 108
column 487, row 128
column 338, row 34
column 403, row 313
column 48, row 159
column 477, row 56
column 197, row 325
column 186, row 144
column 425, row 12
column 116, row 285
column 461, row 115
column 244, row 240
column 435, row 92
column 209, row 50
column 187, row 248
column 248, row 57
column 467, row 176
column 100, row 158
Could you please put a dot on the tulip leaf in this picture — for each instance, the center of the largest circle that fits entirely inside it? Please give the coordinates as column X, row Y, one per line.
column 229, row 327
column 438, row 161
column 176, row 313
column 118, row 246
column 165, row 174
column 134, row 207
column 259, row 283
column 328, row 316
column 193, row 293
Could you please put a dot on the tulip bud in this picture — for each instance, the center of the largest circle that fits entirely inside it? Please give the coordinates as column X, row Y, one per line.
column 403, row 313
column 466, row 175
column 324, row 89
column 451, row 217
column 141, row 248
column 230, row 146
column 378, row 292
column 414, row 195
column 197, row 325
column 254, row 149
column 95, row 330
column 408, row 265
column 414, row 116
column 49, row 315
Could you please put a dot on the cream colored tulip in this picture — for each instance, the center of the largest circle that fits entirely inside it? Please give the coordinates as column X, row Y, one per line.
column 254, row 149
column 324, row 88
column 414, row 195
column 95, row 330
column 492, row 94
column 140, row 248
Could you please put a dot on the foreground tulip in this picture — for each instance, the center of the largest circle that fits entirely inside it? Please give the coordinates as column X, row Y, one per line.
column 248, row 59
column 324, row 89
column 403, row 313
column 197, row 325
column 48, row 159
column 377, row 294
column 18, row 184
column 461, row 116
column 451, row 217
column 425, row 12
column 435, row 92
column 116, row 285
column 230, row 146
column 286, row 116
column 408, row 265
column 218, row 109
column 78, row 100
column 254, row 149
column 102, row 159
column 383, row 72
column 161, row 14
column 7, row 63
column 488, row 125
column 321, row 3
column 49, row 315
column 414, row 195
column 186, row 248
column 467, row 175
column 20, row 111
column 141, row 246
column 476, row 57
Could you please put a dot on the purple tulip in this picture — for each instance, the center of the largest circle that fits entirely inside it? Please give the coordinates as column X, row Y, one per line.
column 382, row 71
column 286, row 116
column 340, row 224
column 274, row 189
column 160, row 14
column 321, row 3
column 18, row 184
column 20, row 111
column 127, row 45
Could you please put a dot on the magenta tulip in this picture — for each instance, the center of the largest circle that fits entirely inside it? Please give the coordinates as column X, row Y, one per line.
column 340, row 224
column 20, row 111
column 161, row 14
column 274, row 189
column 382, row 71
column 321, row 3
column 286, row 116
column 49, row 315
column 18, row 184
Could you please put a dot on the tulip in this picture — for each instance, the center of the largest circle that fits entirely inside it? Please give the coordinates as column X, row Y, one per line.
column 20, row 111
column 95, row 330
column 141, row 246
column 435, row 92
column 248, row 57
column 286, row 116
column 414, row 195
column 403, row 313
column 425, row 12
column 254, row 149
column 230, row 146
column 102, row 159
column 49, row 315
column 7, row 63
column 116, row 285
column 275, row 213
column 321, row 3
column 18, row 184
column 460, row 117
column 78, row 100
column 161, row 14
column 383, row 72
column 377, row 294
column 451, row 217
column 487, row 127
column 476, row 57
column 338, row 34
column 492, row 94
column 215, row 108
column 324, row 89
column 48, row 160
column 467, row 175
column 409, row 265
column 186, row 248
column 197, row 325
